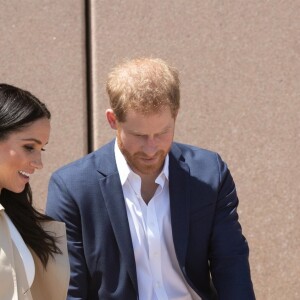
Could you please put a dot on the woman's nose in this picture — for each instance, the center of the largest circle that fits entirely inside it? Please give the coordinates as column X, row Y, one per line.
column 37, row 163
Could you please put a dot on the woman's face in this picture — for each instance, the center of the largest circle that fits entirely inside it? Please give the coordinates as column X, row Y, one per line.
column 20, row 154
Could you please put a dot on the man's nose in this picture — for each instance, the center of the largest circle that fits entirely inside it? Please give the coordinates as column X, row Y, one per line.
column 150, row 146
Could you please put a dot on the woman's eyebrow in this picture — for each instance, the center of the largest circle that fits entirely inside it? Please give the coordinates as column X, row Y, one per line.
column 32, row 140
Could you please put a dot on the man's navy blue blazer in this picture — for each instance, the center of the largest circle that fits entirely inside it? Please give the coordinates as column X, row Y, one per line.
column 212, row 252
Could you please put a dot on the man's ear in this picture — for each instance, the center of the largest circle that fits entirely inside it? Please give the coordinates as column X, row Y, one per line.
column 111, row 118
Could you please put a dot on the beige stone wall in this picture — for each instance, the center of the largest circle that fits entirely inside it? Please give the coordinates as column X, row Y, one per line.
column 240, row 73
column 42, row 49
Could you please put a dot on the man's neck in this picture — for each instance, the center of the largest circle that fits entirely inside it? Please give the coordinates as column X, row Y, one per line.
column 148, row 187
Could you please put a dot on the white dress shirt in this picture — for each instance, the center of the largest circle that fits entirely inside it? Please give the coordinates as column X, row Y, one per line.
column 158, row 274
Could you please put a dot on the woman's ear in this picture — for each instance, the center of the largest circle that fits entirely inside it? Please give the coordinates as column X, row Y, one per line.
column 111, row 118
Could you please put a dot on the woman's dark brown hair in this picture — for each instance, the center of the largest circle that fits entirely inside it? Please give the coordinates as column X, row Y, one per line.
column 18, row 108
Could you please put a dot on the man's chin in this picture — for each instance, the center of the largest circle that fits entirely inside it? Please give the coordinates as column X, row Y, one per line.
column 149, row 170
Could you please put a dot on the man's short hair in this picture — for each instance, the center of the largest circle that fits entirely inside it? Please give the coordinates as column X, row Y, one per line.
column 145, row 85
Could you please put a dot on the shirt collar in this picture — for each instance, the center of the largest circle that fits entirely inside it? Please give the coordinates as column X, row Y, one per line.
column 124, row 170
column 122, row 165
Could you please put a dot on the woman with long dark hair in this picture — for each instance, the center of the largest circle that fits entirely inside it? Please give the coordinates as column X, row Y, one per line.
column 33, row 255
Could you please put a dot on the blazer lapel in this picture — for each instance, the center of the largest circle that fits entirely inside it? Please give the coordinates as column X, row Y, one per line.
column 179, row 203
column 113, row 196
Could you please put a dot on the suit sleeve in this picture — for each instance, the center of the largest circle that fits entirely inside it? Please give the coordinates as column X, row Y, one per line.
column 229, row 251
column 62, row 207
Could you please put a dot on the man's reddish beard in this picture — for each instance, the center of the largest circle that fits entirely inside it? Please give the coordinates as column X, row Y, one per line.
column 135, row 160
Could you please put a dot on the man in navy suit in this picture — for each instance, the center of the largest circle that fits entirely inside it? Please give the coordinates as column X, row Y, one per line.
column 148, row 218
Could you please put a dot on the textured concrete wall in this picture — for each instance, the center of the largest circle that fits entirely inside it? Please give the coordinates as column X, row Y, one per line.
column 240, row 73
column 239, row 67
column 42, row 49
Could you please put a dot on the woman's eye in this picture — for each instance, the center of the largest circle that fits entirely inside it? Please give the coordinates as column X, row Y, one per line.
column 29, row 148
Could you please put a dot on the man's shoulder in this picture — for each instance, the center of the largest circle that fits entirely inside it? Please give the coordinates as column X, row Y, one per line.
column 200, row 162
column 192, row 151
column 91, row 160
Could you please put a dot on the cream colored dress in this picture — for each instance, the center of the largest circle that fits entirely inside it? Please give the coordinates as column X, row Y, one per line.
column 49, row 284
